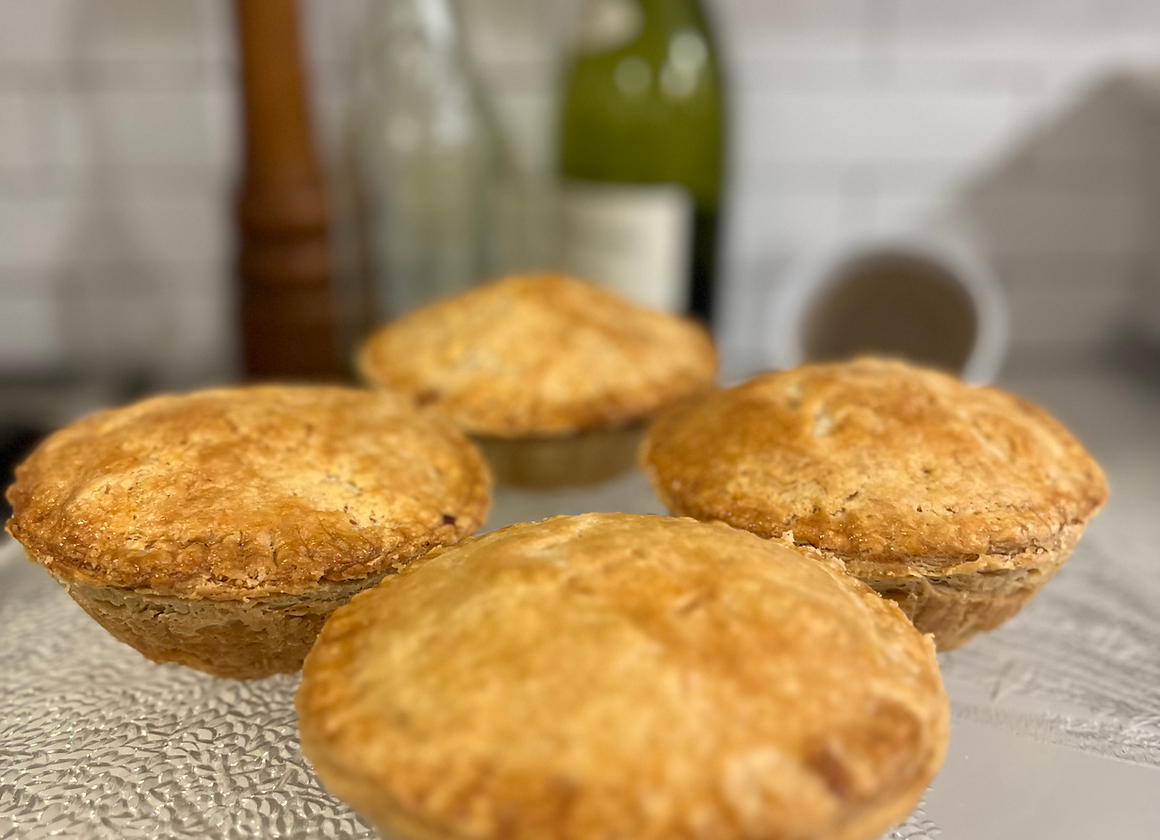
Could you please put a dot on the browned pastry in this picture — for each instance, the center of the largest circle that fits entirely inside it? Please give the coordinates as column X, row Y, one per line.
column 623, row 677
column 544, row 360
column 219, row 529
column 955, row 501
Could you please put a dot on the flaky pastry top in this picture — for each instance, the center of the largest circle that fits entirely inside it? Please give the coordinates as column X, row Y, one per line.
column 880, row 459
column 541, row 355
column 236, row 492
column 623, row 676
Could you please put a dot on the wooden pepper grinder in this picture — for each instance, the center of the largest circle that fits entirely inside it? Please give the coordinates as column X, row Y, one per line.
column 288, row 311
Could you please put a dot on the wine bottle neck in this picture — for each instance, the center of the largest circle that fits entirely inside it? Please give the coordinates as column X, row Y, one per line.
column 670, row 14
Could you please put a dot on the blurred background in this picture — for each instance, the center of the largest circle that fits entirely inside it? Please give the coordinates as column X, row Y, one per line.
column 1029, row 128
column 980, row 177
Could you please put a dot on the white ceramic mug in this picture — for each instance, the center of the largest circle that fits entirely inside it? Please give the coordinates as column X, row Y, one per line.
column 930, row 297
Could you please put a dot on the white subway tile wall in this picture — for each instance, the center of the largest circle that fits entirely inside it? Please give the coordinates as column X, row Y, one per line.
column 1024, row 118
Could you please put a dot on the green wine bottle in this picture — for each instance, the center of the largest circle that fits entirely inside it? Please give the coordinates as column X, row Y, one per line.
column 641, row 148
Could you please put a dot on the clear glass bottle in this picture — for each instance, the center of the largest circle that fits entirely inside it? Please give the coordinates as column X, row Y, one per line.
column 431, row 161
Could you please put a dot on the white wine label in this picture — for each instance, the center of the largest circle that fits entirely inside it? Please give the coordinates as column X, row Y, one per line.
column 605, row 25
column 633, row 238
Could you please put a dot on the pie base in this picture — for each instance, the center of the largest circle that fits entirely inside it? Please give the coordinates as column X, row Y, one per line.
column 585, row 458
column 235, row 639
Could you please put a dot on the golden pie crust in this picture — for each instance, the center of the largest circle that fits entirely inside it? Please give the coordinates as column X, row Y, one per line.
column 541, row 356
column 958, row 502
column 193, row 524
column 623, row 676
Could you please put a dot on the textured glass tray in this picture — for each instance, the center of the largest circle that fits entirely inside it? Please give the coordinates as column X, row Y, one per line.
column 1056, row 717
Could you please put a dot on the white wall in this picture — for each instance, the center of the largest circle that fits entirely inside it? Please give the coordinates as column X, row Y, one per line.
column 1008, row 115
column 118, row 141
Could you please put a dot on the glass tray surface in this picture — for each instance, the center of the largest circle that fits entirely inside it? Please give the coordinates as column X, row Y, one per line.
column 1056, row 716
